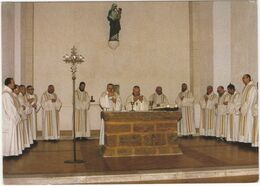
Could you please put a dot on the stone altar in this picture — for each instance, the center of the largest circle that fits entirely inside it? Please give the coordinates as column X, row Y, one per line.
column 151, row 133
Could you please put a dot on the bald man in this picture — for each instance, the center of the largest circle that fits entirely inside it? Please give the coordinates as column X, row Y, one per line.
column 136, row 101
column 246, row 118
column 158, row 99
column 51, row 106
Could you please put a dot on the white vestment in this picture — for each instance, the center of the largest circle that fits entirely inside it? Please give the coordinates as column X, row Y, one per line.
column 160, row 100
column 255, row 135
column 11, row 118
column 186, row 126
column 21, row 144
column 82, row 103
column 33, row 116
column 208, row 115
column 221, row 112
column 27, row 133
column 50, row 116
column 246, row 118
column 233, row 117
column 138, row 105
column 107, row 104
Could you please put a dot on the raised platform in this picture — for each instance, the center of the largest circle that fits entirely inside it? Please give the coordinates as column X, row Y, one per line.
column 202, row 159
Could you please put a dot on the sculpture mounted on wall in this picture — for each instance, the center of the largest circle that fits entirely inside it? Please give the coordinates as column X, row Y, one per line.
column 114, row 15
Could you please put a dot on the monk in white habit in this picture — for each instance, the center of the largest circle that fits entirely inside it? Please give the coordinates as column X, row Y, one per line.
column 27, row 132
column 109, row 101
column 221, row 122
column 11, row 119
column 51, row 106
column 32, row 99
column 82, row 101
column 246, row 118
column 21, row 110
column 208, row 105
column 158, row 99
column 233, row 105
column 136, row 101
column 185, row 101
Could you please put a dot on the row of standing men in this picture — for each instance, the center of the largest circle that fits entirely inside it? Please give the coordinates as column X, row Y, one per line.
column 227, row 116
column 19, row 124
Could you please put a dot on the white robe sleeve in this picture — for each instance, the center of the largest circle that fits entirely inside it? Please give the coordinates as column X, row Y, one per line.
column 78, row 103
column 178, row 101
column 188, row 102
column 46, row 104
column 249, row 101
column 103, row 101
column 34, row 100
column 10, row 111
column 87, row 102
column 237, row 101
column 255, row 109
column 144, row 105
column 211, row 103
column 118, row 105
column 166, row 102
column 231, row 108
column 28, row 108
column 202, row 103
column 58, row 104
column 128, row 105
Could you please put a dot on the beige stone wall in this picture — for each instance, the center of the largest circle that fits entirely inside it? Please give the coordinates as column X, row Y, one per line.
column 7, row 40
column 154, row 48
column 17, row 42
column 162, row 43
column 243, row 41
column 27, row 43
column 201, row 46
column 205, row 69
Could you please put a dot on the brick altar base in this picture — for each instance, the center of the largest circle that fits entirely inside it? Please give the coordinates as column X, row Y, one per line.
column 141, row 134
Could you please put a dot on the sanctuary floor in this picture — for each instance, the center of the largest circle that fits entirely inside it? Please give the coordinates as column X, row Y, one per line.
column 199, row 153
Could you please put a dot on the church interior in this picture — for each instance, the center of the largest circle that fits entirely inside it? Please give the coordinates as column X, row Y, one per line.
column 159, row 43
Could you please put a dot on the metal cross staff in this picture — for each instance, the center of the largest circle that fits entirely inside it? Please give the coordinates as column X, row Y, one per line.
column 73, row 59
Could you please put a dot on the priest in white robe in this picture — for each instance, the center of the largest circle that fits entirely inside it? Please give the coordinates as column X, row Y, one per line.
column 51, row 106
column 109, row 101
column 233, row 105
column 136, row 101
column 82, row 103
column 27, row 133
column 185, row 101
column 11, row 119
column 221, row 113
column 32, row 99
column 208, row 105
column 246, row 111
column 21, row 111
column 158, row 99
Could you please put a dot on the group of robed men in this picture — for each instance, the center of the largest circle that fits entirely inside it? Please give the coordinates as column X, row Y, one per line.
column 19, row 118
column 20, row 108
column 229, row 116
